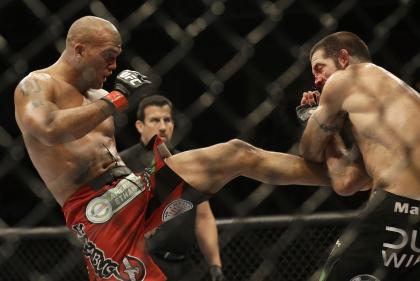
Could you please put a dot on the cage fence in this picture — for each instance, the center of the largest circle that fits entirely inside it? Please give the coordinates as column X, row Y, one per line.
column 252, row 248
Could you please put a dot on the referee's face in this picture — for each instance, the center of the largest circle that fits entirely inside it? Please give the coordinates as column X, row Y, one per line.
column 157, row 121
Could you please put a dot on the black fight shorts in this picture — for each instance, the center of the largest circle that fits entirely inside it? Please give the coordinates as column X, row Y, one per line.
column 383, row 244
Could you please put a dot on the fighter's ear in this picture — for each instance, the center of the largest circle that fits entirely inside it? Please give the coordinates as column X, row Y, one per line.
column 79, row 49
column 343, row 58
column 139, row 126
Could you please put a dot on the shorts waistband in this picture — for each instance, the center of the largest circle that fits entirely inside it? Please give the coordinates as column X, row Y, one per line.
column 379, row 192
column 108, row 176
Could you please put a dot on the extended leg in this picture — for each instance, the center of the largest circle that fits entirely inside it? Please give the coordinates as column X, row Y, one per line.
column 209, row 169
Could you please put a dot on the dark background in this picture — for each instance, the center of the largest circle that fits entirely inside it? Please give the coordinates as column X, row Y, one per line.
column 233, row 69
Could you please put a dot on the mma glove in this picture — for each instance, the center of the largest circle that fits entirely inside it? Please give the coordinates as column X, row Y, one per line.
column 126, row 84
column 308, row 104
column 216, row 273
column 304, row 112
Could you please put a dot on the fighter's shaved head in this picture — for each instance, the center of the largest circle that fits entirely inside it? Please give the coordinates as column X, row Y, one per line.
column 92, row 47
column 90, row 29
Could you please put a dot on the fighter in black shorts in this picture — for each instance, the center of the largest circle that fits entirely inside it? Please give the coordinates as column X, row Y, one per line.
column 382, row 114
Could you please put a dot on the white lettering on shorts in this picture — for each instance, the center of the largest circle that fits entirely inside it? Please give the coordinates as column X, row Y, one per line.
column 131, row 268
column 102, row 208
column 405, row 208
column 176, row 208
column 392, row 255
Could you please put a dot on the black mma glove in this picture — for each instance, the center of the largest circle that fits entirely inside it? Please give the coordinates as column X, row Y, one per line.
column 309, row 103
column 216, row 273
column 126, row 83
column 303, row 113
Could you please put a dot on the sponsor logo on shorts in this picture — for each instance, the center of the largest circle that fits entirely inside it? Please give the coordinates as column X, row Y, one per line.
column 405, row 208
column 101, row 209
column 397, row 254
column 131, row 268
column 364, row 277
column 176, row 208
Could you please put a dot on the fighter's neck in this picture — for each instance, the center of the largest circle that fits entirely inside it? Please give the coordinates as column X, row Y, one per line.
column 63, row 70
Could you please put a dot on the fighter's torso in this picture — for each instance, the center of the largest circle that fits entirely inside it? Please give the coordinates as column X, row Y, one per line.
column 67, row 166
column 384, row 113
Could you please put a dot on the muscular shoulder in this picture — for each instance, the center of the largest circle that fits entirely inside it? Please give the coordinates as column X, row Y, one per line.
column 347, row 81
column 355, row 88
column 35, row 83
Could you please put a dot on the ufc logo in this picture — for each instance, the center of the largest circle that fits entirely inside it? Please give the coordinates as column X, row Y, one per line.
column 132, row 78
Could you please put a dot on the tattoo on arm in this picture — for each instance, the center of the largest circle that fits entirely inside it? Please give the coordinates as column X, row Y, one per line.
column 37, row 103
column 30, row 87
column 329, row 129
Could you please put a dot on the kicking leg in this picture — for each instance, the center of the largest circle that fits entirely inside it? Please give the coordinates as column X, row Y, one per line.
column 209, row 169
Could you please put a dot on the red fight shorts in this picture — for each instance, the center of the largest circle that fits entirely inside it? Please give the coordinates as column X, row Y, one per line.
column 112, row 221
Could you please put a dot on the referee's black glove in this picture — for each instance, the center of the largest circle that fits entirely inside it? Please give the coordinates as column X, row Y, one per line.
column 216, row 273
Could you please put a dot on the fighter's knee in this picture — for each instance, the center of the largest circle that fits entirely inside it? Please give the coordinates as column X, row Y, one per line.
column 242, row 148
column 235, row 143
column 238, row 144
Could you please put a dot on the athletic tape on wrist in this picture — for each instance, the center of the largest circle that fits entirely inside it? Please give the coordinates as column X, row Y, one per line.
column 118, row 100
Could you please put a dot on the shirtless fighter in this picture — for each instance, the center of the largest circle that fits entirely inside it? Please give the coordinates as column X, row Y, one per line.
column 382, row 110
column 69, row 135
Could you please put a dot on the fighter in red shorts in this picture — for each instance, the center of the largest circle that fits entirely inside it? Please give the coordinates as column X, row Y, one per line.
column 67, row 125
column 112, row 220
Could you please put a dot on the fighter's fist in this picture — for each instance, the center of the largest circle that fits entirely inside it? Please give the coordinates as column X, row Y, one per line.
column 308, row 104
column 310, row 98
column 126, row 83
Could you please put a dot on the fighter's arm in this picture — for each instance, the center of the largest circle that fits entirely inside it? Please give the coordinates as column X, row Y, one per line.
column 39, row 115
column 326, row 120
column 206, row 233
column 345, row 168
